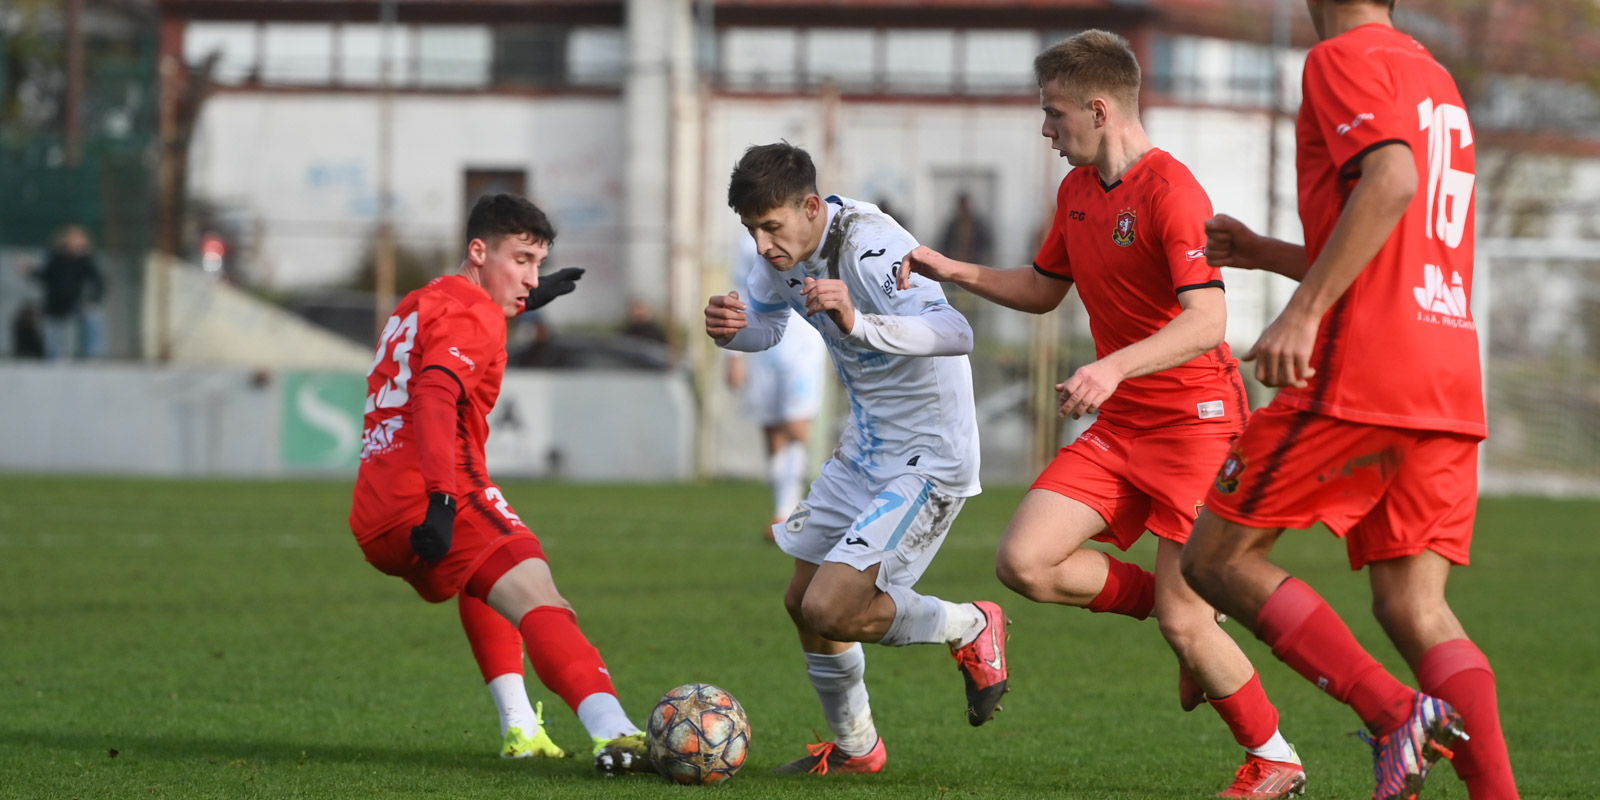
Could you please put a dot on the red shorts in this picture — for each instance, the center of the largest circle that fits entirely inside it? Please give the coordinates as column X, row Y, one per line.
column 488, row 540
column 1140, row 480
column 1388, row 492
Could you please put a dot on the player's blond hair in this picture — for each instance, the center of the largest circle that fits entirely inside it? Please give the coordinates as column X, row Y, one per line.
column 1092, row 64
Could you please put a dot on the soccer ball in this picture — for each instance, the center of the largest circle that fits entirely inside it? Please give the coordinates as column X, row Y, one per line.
column 698, row 734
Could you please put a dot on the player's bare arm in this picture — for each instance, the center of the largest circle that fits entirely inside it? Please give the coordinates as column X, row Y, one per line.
column 1199, row 327
column 1231, row 243
column 725, row 317
column 1387, row 185
column 833, row 297
column 1023, row 289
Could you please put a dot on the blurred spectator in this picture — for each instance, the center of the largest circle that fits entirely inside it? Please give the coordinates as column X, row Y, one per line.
column 541, row 351
column 73, row 287
column 26, row 339
column 642, row 322
column 966, row 236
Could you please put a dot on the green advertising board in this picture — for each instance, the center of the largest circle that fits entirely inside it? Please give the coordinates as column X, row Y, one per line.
column 322, row 420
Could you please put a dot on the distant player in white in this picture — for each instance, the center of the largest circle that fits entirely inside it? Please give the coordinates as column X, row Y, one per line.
column 782, row 393
column 905, row 464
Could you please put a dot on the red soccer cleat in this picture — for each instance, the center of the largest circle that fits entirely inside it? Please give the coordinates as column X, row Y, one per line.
column 1259, row 779
column 825, row 758
column 983, row 665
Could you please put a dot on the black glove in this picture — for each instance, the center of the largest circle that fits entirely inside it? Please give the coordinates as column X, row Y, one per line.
column 431, row 540
column 551, row 286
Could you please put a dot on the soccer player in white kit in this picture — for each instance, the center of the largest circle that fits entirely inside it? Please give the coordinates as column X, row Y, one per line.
column 782, row 388
column 905, row 464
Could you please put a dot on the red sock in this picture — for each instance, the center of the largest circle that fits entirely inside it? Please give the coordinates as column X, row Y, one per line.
column 1130, row 590
column 495, row 642
column 1458, row 673
column 1308, row 635
column 562, row 656
column 1249, row 714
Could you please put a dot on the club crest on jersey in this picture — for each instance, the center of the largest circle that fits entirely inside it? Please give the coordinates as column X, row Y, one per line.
column 1232, row 470
column 1127, row 227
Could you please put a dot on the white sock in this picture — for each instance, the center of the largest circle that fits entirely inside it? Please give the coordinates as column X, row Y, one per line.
column 923, row 619
column 511, row 698
column 962, row 623
column 841, row 686
column 791, row 487
column 1276, row 749
column 602, row 715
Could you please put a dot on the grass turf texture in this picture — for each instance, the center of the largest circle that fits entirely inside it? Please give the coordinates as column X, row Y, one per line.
column 226, row 640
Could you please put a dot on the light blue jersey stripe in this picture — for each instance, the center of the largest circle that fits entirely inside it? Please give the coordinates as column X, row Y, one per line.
column 766, row 308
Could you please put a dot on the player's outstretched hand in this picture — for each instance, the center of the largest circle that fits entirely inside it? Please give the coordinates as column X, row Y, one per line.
column 1231, row 243
column 1283, row 353
column 1087, row 389
column 832, row 296
column 551, row 286
column 927, row 262
column 725, row 316
column 431, row 540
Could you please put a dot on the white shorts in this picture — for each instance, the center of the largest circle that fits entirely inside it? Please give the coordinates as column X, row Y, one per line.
column 776, row 393
column 848, row 519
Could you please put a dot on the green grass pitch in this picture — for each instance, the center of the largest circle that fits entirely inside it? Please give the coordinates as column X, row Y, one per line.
column 164, row 639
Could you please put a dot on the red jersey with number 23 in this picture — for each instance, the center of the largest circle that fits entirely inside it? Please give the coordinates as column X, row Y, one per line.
column 1400, row 347
column 453, row 325
column 1132, row 248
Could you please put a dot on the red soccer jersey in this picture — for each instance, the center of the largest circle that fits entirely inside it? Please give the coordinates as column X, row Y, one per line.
column 1400, row 348
column 1131, row 248
column 450, row 324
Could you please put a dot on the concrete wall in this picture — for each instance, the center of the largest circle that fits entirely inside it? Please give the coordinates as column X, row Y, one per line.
column 301, row 173
column 239, row 422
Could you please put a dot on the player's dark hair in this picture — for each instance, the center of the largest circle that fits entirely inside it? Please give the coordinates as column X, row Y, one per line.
column 496, row 216
column 1091, row 63
column 769, row 176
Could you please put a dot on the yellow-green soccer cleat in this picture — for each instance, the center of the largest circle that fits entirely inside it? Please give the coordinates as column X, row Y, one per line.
column 539, row 745
column 622, row 755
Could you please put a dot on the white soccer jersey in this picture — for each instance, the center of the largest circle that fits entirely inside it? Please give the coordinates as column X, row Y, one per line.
column 800, row 351
column 904, row 366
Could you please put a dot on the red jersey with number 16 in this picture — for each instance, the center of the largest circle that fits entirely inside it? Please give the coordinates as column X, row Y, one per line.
column 1400, row 347
column 450, row 324
column 1132, row 248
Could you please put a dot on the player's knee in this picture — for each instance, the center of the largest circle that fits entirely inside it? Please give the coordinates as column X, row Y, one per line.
column 826, row 617
column 1018, row 575
column 1182, row 628
column 793, row 602
column 1399, row 612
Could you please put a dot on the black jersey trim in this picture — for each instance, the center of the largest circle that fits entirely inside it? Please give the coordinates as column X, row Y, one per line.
column 453, row 376
column 1207, row 285
column 1352, row 168
column 1049, row 274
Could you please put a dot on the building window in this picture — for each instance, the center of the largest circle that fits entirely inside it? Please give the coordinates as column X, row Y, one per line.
column 453, row 56
column 920, row 61
column 235, row 41
column 530, row 55
column 297, row 54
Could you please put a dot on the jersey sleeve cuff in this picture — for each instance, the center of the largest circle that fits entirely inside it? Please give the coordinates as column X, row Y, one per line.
column 1352, row 165
column 447, row 371
column 1217, row 284
column 1049, row 274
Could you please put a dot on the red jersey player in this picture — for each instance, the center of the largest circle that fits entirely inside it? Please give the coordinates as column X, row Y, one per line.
column 425, row 509
column 1129, row 232
column 1376, row 430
